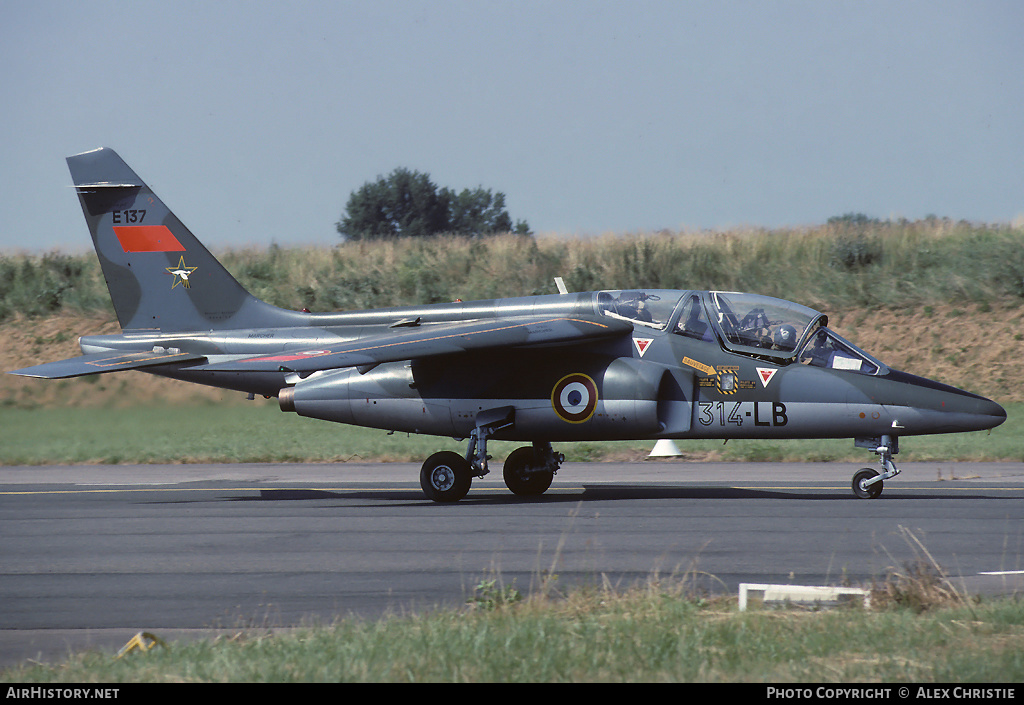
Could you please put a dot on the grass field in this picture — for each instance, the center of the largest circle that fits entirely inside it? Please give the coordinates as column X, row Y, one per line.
column 645, row 635
column 259, row 432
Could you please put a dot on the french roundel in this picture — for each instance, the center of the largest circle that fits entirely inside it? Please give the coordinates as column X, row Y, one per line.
column 574, row 398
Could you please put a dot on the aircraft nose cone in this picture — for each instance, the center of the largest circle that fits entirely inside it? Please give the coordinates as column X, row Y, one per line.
column 971, row 412
column 932, row 407
column 993, row 411
column 974, row 413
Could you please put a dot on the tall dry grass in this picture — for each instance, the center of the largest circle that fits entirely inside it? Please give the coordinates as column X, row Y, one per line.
column 839, row 265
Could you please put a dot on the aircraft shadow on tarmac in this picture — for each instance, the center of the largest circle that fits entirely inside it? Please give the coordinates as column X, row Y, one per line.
column 589, row 494
column 600, row 493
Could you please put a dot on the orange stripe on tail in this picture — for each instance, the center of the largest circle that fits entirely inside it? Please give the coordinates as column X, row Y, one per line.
column 147, row 238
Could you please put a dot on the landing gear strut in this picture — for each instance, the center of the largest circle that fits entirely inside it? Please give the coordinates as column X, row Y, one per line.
column 867, row 483
column 447, row 476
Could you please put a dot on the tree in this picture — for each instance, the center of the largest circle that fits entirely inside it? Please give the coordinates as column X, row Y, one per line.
column 408, row 204
column 477, row 212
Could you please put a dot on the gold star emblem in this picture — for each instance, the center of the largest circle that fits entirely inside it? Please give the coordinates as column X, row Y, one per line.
column 181, row 273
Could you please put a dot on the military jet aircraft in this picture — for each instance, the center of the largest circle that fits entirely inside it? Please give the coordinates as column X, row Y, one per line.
column 622, row 364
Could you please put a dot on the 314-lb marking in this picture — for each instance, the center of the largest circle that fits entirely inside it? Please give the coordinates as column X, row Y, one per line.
column 734, row 412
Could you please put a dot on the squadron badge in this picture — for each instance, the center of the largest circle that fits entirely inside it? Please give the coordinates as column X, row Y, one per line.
column 181, row 273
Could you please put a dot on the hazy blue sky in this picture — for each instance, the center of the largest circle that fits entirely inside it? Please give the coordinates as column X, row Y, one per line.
column 254, row 121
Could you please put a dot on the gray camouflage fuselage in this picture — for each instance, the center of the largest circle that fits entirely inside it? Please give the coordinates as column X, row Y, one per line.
column 655, row 395
column 631, row 364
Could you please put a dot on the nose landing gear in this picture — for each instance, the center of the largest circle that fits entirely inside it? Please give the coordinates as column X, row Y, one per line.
column 867, row 483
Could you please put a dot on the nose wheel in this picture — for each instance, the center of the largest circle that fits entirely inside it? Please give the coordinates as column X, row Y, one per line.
column 867, row 483
column 860, row 485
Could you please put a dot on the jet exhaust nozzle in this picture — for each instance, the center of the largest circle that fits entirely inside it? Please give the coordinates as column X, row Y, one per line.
column 286, row 399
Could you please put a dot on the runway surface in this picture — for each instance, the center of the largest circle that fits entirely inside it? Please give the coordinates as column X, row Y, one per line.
column 91, row 555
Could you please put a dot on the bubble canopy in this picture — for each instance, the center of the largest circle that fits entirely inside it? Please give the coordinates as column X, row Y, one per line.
column 768, row 327
column 758, row 323
column 748, row 324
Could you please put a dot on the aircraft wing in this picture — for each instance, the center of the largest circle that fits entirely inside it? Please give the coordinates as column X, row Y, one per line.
column 104, row 362
column 431, row 340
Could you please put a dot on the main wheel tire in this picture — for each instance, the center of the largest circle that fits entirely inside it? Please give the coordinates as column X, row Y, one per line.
column 872, row 490
column 517, row 477
column 445, row 477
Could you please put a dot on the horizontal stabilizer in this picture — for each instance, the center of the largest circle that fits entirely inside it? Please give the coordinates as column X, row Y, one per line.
column 433, row 340
column 105, row 362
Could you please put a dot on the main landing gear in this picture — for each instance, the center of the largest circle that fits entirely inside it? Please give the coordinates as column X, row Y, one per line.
column 867, row 483
column 446, row 476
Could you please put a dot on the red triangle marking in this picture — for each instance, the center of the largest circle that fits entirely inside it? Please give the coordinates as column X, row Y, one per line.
column 642, row 344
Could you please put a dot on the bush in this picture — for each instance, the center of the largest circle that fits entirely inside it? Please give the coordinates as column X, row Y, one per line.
column 38, row 286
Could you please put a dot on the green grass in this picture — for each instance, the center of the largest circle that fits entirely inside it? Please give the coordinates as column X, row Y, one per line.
column 646, row 634
column 259, row 432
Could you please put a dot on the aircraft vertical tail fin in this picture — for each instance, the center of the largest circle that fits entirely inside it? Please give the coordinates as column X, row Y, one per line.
column 158, row 274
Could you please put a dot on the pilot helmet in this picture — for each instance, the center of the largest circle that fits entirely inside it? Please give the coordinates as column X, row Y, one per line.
column 785, row 337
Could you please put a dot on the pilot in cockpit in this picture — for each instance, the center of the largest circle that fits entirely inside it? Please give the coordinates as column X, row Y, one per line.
column 755, row 329
column 785, row 338
column 630, row 304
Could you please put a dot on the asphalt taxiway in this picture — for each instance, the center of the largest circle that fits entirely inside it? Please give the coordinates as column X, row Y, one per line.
column 91, row 555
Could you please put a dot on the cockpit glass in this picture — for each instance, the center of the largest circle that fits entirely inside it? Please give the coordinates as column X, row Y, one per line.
column 760, row 324
column 651, row 308
column 826, row 349
column 692, row 322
